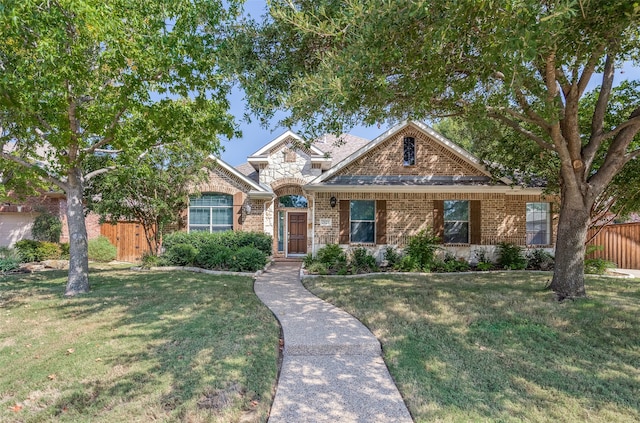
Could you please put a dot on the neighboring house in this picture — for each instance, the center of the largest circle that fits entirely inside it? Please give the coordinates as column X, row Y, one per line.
column 16, row 218
column 370, row 193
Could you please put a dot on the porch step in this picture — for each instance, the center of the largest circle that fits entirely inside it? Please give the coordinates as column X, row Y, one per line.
column 288, row 259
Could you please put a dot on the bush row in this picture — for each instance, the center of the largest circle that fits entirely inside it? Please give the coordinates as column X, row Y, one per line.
column 234, row 251
column 231, row 239
column 422, row 255
column 28, row 250
column 331, row 259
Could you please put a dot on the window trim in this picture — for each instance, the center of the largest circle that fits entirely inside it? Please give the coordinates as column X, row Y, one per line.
column 409, row 151
column 548, row 230
column 373, row 221
column 445, row 221
column 210, row 226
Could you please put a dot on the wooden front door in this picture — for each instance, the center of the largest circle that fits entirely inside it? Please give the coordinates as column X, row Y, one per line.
column 297, row 233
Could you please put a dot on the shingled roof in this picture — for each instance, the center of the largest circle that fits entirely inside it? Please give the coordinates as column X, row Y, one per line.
column 337, row 148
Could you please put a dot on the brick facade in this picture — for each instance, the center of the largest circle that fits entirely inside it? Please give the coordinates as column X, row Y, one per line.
column 431, row 159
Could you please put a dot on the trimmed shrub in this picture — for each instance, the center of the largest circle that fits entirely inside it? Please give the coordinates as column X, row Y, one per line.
column 422, row 248
column 598, row 266
column 247, row 259
column 214, row 256
column 181, row 254
column 510, row 257
column 101, row 249
column 46, row 227
column 231, row 239
column 150, row 260
column 48, row 251
column 317, row 268
column 362, row 262
column 539, row 259
column 28, row 250
column 332, row 256
column 408, row 264
column 64, row 250
column 391, row 256
column 308, row 260
column 451, row 263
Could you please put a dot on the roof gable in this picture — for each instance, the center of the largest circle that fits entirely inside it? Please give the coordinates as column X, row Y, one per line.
column 233, row 173
column 436, row 158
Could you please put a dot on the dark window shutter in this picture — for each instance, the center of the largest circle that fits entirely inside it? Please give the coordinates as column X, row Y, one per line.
column 345, row 227
column 438, row 219
column 381, row 221
column 475, row 222
column 237, row 211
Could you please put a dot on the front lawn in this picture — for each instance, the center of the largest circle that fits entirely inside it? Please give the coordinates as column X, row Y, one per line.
column 497, row 347
column 150, row 346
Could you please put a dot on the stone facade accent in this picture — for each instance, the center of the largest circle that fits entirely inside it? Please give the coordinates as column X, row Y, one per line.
column 283, row 167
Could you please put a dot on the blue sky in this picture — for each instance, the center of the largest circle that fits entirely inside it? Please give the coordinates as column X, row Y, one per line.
column 255, row 136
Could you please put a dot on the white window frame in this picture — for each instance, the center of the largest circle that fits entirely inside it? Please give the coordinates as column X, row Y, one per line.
column 352, row 221
column 444, row 218
column 211, row 227
column 547, row 221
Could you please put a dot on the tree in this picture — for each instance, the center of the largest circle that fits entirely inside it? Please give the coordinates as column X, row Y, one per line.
column 81, row 78
column 525, row 64
column 154, row 191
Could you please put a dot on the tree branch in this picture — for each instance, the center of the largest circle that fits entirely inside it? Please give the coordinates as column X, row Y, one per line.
column 95, row 173
column 589, row 69
column 38, row 169
column 106, row 140
column 597, row 121
column 513, row 124
column 524, row 104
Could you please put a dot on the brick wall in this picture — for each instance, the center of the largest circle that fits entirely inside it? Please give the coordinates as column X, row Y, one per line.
column 503, row 216
column 431, row 159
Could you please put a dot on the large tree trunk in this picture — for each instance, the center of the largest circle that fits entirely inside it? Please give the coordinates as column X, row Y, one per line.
column 568, row 275
column 78, row 282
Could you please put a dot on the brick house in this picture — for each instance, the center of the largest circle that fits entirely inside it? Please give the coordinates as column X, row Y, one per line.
column 17, row 217
column 370, row 193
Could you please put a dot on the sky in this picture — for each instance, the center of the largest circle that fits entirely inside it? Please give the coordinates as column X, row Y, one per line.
column 254, row 136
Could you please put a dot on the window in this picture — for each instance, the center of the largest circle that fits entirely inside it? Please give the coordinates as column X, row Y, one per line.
column 538, row 224
column 297, row 201
column 281, row 223
column 211, row 213
column 456, row 222
column 409, row 151
column 363, row 221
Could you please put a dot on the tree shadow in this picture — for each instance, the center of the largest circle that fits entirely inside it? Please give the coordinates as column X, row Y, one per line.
column 194, row 331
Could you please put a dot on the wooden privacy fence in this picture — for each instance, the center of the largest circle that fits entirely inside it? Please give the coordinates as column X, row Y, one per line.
column 129, row 239
column 621, row 244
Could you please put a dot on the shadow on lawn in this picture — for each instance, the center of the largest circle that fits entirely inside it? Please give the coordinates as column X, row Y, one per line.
column 184, row 327
column 503, row 349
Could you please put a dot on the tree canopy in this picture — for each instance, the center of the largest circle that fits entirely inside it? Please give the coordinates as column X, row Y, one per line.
column 526, row 64
column 80, row 78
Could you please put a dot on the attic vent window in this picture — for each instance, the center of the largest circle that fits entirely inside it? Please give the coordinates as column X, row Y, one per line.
column 409, row 151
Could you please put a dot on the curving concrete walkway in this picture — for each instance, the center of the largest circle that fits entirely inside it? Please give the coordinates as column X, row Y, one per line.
column 332, row 368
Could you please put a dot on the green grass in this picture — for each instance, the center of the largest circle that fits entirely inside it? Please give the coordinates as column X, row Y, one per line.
column 150, row 346
column 497, row 347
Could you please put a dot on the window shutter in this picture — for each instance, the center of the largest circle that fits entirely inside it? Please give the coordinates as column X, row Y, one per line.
column 475, row 222
column 550, row 217
column 381, row 221
column 237, row 211
column 438, row 219
column 345, row 227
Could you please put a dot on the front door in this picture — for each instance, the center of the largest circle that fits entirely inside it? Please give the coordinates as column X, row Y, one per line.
column 297, row 233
